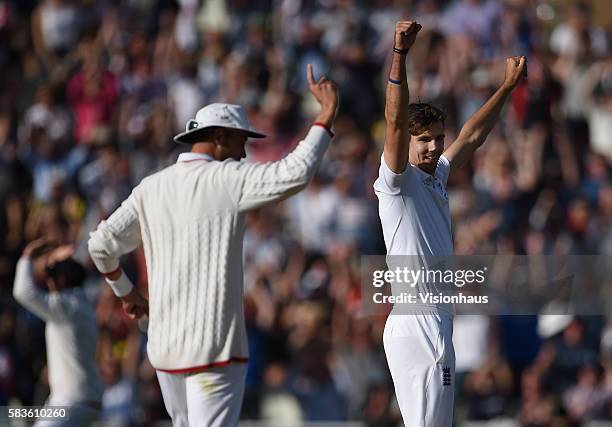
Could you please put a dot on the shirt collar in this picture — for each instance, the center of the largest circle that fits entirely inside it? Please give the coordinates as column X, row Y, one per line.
column 190, row 157
column 424, row 175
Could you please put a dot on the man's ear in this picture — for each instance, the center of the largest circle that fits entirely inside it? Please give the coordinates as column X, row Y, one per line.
column 219, row 136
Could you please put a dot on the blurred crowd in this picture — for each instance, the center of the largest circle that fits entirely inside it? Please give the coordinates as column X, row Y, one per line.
column 94, row 90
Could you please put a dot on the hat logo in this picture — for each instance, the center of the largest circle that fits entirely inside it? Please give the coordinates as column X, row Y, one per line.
column 192, row 124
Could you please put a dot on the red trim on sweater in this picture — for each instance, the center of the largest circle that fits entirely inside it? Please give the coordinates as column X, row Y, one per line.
column 208, row 366
column 331, row 134
column 112, row 272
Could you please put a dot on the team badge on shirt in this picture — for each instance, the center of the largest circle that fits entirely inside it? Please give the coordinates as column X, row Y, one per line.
column 435, row 185
column 446, row 376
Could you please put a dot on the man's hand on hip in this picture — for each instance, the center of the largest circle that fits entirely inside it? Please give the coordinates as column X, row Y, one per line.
column 135, row 305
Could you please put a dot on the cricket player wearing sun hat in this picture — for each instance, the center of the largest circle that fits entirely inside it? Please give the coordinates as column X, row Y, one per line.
column 415, row 217
column 190, row 219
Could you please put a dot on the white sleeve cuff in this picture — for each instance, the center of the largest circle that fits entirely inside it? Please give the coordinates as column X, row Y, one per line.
column 122, row 286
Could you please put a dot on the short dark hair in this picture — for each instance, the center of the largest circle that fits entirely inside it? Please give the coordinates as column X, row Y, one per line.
column 67, row 273
column 421, row 115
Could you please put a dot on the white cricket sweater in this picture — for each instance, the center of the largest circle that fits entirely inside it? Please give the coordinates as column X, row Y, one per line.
column 71, row 336
column 190, row 220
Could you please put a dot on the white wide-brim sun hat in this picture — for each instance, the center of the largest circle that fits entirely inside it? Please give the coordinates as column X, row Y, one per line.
column 229, row 116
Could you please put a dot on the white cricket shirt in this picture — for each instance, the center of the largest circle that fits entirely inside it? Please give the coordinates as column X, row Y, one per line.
column 414, row 213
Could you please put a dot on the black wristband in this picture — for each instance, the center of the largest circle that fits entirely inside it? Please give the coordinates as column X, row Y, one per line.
column 400, row 51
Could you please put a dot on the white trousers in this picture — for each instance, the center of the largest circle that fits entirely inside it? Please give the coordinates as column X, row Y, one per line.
column 421, row 360
column 211, row 398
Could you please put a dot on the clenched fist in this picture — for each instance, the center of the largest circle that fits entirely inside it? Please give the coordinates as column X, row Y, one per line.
column 405, row 34
column 516, row 71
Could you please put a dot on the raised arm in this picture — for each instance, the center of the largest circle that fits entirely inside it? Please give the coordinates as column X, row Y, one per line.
column 398, row 97
column 268, row 182
column 477, row 128
column 326, row 94
column 49, row 306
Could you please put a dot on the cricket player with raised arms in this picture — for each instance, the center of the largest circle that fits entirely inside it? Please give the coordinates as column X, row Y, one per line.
column 190, row 218
column 415, row 216
column 71, row 331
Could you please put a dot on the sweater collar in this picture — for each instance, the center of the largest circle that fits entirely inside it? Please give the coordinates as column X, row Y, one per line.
column 190, row 157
